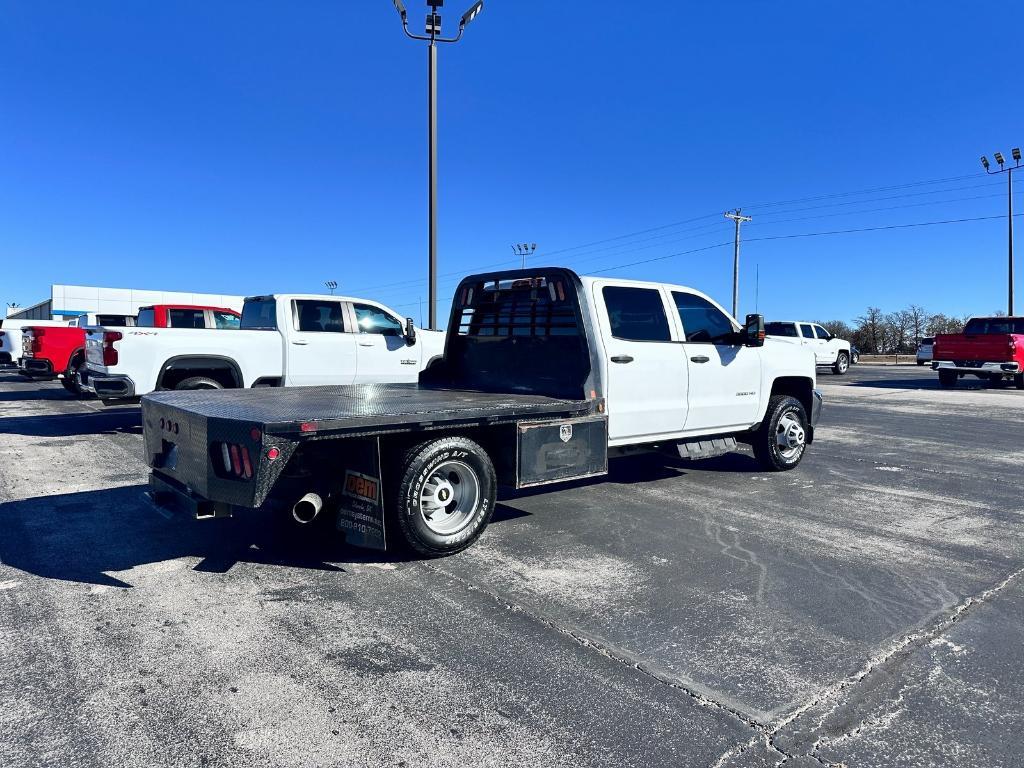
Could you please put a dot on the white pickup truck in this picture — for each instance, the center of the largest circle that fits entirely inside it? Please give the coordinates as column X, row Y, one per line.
column 544, row 375
column 284, row 340
column 829, row 351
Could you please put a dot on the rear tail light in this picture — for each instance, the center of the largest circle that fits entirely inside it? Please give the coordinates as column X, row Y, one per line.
column 109, row 353
column 236, row 461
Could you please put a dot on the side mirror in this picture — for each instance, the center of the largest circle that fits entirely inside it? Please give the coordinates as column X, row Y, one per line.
column 753, row 331
column 410, row 331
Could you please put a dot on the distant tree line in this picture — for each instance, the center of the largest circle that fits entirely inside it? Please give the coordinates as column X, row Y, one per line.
column 886, row 333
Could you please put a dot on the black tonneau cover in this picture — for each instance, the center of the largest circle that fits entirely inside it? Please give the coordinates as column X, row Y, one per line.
column 360, row 408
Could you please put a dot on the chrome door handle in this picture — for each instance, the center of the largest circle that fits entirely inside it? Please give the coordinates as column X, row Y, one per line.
column 700, row 358
column 622, row 359
column 300, row 343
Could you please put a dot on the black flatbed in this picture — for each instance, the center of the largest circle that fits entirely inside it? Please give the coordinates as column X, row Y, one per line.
column 363, row 408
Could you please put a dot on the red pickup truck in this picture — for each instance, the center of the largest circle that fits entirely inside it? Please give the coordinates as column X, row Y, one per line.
column 990, row 348
column 49, row 353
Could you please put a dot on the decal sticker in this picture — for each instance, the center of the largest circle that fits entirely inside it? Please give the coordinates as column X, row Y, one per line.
column 565, row 433
column 360, row 486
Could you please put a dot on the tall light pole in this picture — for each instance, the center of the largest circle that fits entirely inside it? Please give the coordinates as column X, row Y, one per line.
column 736, row 217
column 1015, row 152
column 331, row 286
column 524, row 250
column 433, row 37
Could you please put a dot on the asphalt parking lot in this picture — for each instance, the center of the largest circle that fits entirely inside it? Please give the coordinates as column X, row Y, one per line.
column 866, row 609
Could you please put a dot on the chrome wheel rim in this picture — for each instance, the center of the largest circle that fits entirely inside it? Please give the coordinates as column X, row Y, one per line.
column 844, row 363
column 450, row 498
column 790, row 435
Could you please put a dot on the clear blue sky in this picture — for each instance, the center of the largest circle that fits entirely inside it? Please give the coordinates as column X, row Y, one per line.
column 251, row 147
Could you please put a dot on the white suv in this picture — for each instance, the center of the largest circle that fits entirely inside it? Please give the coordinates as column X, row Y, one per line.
column 829, row 351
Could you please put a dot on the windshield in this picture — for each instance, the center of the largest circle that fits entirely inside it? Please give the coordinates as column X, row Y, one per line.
column 259, row 314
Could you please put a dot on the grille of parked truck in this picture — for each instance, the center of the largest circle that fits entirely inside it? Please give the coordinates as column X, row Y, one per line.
column 281, row 340
column 991, row 348
column 829, row 351
column 544, row 375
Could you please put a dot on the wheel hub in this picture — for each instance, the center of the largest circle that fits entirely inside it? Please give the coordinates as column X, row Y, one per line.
column 791, row 435
column 449, row 497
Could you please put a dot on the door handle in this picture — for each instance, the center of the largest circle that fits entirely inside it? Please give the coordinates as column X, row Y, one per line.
column 700, row 358
column 300, row 343
column 622, row 359
column 365, row 343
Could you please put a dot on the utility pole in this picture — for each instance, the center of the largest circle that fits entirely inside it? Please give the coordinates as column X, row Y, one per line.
column 433, row 37
column 739, row 219
column 1015, row 153
column 524, row 250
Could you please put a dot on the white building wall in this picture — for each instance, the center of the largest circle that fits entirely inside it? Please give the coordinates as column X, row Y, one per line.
column 79, row 299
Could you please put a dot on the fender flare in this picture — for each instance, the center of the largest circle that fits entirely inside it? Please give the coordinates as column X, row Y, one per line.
column 216, row 362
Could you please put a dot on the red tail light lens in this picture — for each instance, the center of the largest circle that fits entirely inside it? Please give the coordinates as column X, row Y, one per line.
column 235, row 460
column 109, row 353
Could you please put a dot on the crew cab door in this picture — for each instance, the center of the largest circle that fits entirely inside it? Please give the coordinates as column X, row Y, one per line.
column 382, row 354
column 725, row 377
column 828, row 348
column 809, row 341
column 647, row 376
column 317, row 348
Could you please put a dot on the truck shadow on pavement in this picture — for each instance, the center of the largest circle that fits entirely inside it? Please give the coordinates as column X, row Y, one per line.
column 109, row 422
column 100, row 537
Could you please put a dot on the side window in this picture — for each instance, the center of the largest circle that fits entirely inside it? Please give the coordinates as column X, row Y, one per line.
column 187, row 318
column 821, row 332
column 225, row 320
column 806, row 331
column 372, row 319
column 315, row 316
column 702, row 320
column 146, row 318
column 636, row 314
column 781, row 329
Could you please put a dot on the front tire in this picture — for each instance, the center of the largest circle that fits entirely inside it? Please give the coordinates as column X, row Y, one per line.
column 842, row 364
column 779, row 444
column 947, row 379
column 445, row 496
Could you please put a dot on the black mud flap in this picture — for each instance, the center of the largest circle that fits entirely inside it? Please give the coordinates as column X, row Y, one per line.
column 567, row 449
column 360, row 500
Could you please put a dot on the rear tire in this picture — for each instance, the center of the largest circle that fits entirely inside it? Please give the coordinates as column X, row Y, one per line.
column 1018, row 381
column 947, row 379
column 71, row 381
column 781, row 441
column 842, row 364
column 199, row 382
column 445, row 496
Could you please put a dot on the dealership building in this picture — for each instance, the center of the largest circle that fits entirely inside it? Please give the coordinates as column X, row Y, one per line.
column 68, row 301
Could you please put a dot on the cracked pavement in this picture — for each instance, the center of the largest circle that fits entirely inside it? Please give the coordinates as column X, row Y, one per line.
column 866, row 609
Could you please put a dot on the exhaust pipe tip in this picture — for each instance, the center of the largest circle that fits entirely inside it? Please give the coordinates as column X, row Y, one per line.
column 307, row 508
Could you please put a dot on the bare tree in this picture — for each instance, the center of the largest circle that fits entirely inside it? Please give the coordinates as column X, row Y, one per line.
column 837, row 328
column 871, row 329
column 918, row 321
column 901, row 325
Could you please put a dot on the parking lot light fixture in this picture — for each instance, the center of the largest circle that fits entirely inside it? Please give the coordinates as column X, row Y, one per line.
column 432, row 38
column 1008, row 170
column 984, row 162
